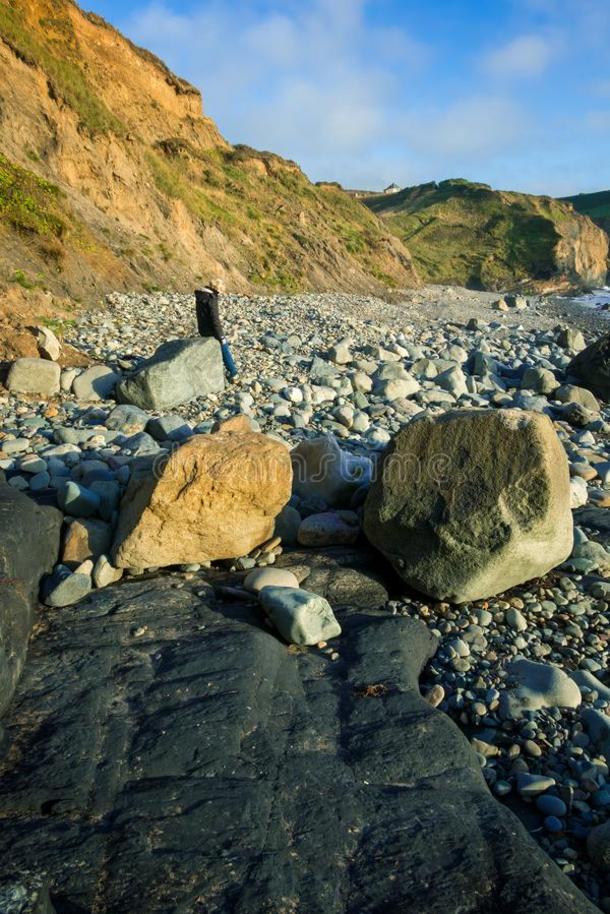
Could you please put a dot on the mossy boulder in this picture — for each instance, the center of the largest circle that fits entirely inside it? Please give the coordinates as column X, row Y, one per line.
column 472, row 502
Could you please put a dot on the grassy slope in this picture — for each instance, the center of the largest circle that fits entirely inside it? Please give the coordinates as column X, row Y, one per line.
column 54, row 49
column 286, row 217
column 30, row 204
column 595, row 205
column 35, row 214
column 468, row 234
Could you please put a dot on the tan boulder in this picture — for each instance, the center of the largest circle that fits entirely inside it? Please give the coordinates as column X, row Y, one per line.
column 472, row 502
column 49, row 346
column 216, row 497
column 86, row 538
column 237, row 425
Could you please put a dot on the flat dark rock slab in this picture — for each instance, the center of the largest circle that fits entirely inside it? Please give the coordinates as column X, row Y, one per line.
column 168, row 756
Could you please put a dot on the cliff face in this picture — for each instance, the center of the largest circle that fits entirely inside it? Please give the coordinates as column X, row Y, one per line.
column 595, row 205
column 465, row 233
column 111, row 177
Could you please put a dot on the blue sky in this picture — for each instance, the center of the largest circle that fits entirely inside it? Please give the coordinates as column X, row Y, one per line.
column 515, row 93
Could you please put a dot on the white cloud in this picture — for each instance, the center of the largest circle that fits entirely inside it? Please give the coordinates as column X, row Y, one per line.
column 320, row 82
column 470, row 128
column 524, row 56
column 313, row 80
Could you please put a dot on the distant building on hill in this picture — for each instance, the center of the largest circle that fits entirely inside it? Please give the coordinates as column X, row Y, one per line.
column 390, row 189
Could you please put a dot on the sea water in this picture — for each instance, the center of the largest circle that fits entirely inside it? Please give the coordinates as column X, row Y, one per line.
column 598, row 299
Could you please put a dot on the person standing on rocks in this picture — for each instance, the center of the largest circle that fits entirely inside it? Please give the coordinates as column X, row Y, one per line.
column 209, row 324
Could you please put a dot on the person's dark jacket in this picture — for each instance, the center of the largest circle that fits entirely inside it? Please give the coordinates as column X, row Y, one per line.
column 207, row 311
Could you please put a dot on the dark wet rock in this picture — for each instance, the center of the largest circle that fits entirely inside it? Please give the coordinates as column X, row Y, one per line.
column 597, row 518
column 345, row 577
column 29, row 544
column 166, row 753
column 592, row 367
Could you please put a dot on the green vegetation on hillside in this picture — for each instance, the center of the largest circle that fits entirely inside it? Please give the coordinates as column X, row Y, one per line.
column 29, row 203
column 234, row 188
column 468, row 234
column 595, row 205
column 53, row 47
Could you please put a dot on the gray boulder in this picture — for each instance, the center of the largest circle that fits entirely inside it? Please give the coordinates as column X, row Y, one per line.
column 453, row 380
column 322, row 470
column 472, row 502
column 127, row 419
column 585, row 679
column 169, row 428
column 300, row 617
column 95, row 383
column 571, row 338
column 49, row 346
column 63, row 587
column 179, row 371
column 330, row 528
column 34, row 377
column 540, row 380
column 536, row 686
column 597, row 727
column 570, row 393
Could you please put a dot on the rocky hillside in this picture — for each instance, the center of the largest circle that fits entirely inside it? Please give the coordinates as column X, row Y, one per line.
column 111, row 177
column 471, row 235
column 596, row 206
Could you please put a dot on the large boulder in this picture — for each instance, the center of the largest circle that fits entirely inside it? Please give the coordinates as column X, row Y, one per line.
column 591, row 367
column 570, row 338
column 179, row 371
column 570, row 393
column 29, row 545
column 36, row 377
column 216, row 497
column 471, row 503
